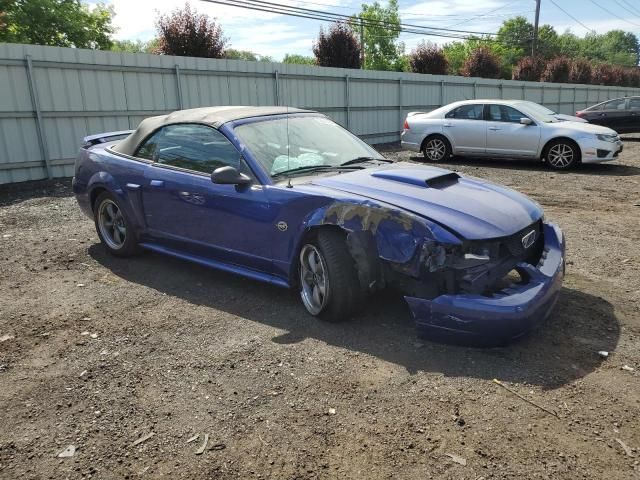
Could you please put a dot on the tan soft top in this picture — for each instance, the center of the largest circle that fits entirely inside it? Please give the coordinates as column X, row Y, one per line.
column 214, row 116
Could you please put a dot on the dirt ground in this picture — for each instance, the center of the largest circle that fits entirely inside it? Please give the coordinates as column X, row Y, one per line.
column 99, row 352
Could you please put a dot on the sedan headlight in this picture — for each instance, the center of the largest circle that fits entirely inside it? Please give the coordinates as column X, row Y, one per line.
column 606, row 137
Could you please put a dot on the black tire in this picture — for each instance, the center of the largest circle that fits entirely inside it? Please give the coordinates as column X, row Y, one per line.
column 561, row 154
column 436, row 148
column 343, row 295
column 125, row 247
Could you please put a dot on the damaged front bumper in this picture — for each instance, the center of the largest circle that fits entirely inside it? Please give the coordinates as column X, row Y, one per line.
column 503, row 316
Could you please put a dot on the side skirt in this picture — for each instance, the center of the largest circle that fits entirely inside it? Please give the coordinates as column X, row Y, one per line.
column 245, row 272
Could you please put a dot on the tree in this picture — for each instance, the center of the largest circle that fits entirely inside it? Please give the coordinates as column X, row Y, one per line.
column 557, row 70
column 516, row 33
column 62, row 23
column 380, row 32
column 234, row 54
column 428, row 58
column 482, row 63
column 186, row 32
column 298, row 59
column 580, row 71
column 137, row 46
column 337, row 48
column 529, row 69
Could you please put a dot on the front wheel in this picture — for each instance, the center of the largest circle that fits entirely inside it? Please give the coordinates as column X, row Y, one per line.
column 436, row 149
column 562, row 155
column 329, row 285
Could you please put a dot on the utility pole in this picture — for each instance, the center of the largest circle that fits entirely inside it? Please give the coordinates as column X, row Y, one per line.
column 361, row 44
column 534, row 44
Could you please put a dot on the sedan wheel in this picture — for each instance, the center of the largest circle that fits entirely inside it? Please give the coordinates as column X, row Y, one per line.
column 561, row 156
column 313, row 280
column 436, row 149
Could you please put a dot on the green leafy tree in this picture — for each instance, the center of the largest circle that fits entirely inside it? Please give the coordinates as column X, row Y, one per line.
column 62, row 23
column 298, row 59
column 137, row 46
column 380, row 31
column 233, row 54
column 191, row 34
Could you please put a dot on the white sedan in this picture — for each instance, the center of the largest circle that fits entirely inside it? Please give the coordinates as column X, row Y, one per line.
column 507, row 128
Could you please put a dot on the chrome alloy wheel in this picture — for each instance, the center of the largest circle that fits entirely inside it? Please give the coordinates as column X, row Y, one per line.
column 314, row 280
column 560, row 155
column 111, row 224
column 435, row 149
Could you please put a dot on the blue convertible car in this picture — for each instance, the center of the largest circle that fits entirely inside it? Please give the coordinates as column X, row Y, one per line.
column 289, row 197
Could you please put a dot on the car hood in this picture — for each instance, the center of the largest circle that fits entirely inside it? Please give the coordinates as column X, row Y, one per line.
column 471, row 208
column 583, row 127
column 569, row 118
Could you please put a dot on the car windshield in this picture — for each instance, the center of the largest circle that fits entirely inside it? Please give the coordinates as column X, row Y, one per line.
column 540, row 108
column 536, row 112
column 298, row 142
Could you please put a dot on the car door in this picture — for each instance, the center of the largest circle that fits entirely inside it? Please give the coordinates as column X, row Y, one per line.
column 506, row 136
column 186, row 211
column 633, row 117
column 465, row 128
column 612, row 114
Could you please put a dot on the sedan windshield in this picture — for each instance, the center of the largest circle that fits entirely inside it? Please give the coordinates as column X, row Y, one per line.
column 302, row 143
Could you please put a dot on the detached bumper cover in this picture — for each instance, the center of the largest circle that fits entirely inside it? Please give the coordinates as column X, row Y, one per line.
column 504, row 316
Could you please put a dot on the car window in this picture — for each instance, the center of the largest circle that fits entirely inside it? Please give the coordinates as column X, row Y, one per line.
column 634, row 103
column 504, row 113
column 618, row 104
column 190, row 146
column 467, row 112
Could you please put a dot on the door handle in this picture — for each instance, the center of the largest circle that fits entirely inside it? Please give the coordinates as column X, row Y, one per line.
column 157, row 183
column 494, row 128
column 447, row 125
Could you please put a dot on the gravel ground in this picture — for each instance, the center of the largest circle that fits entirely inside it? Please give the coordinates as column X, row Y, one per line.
column 99, row 353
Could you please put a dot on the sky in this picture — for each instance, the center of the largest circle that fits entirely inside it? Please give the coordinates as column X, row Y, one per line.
column 275, row 35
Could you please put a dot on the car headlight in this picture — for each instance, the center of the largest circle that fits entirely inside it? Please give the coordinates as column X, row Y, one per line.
column 606, row 137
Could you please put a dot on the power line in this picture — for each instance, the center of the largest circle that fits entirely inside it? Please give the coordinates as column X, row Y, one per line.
column 635, row 11
column 626, row 8
column 348, row 17
column 571, row 16
column 271, row 7
column 614, row 14
column 508, row 4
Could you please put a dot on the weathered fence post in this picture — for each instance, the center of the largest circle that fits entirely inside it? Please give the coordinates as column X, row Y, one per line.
column 475, row 90
column 276, row 87
column 347, row 100
column 400, row 107
column 179, row 87
column 441, row 93
column 35, row 102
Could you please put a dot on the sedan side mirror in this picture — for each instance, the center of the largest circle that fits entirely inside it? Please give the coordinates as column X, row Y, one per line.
column 526, row 121
column 229, row 176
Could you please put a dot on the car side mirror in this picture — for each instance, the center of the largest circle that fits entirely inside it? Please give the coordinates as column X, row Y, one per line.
column 229, row 176
column 526, row 121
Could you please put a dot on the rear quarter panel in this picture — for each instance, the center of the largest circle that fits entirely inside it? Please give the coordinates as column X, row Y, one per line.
column 99, row 169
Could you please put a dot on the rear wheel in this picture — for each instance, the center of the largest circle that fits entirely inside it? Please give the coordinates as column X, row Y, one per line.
column 562, row 155
column 436, row 149
column 113, row 226
column 329, row 285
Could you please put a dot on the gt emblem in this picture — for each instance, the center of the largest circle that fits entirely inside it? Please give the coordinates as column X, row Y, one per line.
column 282, row 226
column 529, row 239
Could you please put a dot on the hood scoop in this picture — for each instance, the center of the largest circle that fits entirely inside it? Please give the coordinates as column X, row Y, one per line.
column 436, row 178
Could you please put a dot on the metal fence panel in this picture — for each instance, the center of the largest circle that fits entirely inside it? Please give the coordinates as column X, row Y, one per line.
column 50, row 97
